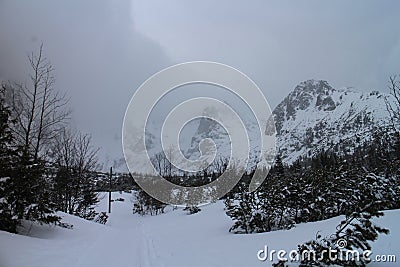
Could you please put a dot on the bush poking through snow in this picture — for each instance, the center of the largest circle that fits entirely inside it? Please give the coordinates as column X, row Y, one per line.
column 101, row 218
column 192, row 209
column 354, row 233
column 146, row 204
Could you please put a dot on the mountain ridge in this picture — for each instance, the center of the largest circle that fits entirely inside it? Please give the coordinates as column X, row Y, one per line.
column 316, row 116
column 313, row 117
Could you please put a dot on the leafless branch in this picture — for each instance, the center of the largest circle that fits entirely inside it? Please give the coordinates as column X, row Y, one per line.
column 393, row 105
column 40, row 111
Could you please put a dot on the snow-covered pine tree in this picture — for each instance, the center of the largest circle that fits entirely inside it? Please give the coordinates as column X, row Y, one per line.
column 297, row 193
column 24, row 189
column 357, row 229
column 32, row 199
column 8, row 221
column 87, row 199
column 245, row 209
column 263, row 210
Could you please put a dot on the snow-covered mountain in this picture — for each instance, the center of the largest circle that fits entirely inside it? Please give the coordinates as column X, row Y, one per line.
column 200, row 129
column 313, row 117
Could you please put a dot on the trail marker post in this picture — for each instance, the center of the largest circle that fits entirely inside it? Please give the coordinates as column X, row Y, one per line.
column 109, row 193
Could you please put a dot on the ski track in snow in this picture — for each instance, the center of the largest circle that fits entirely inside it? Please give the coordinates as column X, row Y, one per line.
column 172, row 239
column 125, row 242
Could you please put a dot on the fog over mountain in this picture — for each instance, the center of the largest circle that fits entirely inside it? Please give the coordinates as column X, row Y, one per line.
column 102, row 51
column 314, row 117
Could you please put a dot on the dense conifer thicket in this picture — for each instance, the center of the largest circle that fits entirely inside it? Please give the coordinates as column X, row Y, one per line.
column 320, row 188
column 359, row 186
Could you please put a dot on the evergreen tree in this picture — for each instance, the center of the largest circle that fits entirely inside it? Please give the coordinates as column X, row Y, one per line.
column 24, row 190
column 8, row 221
column 87, row 200
column 146, row 204
column 263, row 210
column 353, row 234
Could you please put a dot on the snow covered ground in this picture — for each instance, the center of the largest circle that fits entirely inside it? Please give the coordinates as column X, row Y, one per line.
column 171, row 239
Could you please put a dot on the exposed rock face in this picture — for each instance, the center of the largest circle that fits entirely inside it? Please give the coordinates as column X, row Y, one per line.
column 313, row 117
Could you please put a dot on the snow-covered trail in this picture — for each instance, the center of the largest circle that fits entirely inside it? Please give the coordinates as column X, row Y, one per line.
column 173, row 239
column 124, row 242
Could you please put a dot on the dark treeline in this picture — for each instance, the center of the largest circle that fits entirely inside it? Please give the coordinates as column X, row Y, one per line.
column 119, row 182
column 183, row 178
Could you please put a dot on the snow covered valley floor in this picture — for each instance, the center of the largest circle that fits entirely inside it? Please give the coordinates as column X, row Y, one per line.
column 170, row 239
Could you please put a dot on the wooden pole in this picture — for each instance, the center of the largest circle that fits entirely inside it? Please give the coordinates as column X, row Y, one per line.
column 109, row 193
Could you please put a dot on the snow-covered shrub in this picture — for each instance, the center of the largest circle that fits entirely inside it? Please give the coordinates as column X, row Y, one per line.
column 192, row 209
column 146, row 204
column 101, row 218
column 352, row 235
column 259, row 211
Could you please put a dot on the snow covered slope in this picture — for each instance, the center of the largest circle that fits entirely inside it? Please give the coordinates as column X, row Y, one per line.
column 313, row 117
column 172, row 239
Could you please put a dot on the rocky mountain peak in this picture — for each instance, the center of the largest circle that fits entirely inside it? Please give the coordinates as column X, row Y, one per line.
column 313, row 117
column 314, row 87
column 308, row 94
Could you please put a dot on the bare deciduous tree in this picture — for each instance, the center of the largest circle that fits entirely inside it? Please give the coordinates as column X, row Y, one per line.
column 86, row 154
column 393, row 107
column 76, row 161
column 63, row 149
column 158, row 162
column 38, row 108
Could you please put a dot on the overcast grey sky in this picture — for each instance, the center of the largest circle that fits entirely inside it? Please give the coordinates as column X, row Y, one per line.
column 103, row 50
